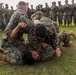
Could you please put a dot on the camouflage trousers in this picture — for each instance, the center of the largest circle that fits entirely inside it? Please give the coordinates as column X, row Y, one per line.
column 63, row 37
column 54, row 17
column 2, row 25
column 60, row 18
column 75, row 20
column 14, row 55
column 67, row 19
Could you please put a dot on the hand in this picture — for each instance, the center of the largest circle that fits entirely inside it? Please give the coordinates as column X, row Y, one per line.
column 58, row 52
column 37, row 22
column 22, row 25
column 43, row 45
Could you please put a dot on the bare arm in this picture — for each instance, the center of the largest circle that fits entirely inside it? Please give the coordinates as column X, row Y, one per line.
column 57, row 51
column 17, row 29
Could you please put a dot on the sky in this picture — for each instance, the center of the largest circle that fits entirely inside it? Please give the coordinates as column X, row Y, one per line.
column 34, row 2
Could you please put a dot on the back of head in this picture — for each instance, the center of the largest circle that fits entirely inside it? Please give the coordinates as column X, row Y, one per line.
column 11, row 7
column 27, row 58
column 21, row 3
column 66, row 0
column 59, row 2
column 40, row 30
column 6, row 5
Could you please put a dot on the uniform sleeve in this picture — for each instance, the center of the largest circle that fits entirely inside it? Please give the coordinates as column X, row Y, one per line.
column 16, row 18
column 47, row 53
column 29, row 23
column 51, row 30
column 11, row 25
column 53, row 40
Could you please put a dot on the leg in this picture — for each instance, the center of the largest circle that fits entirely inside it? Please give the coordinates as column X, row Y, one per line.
column 65, row 38
column 64, row 20
column 13, row 56
column 71, row 33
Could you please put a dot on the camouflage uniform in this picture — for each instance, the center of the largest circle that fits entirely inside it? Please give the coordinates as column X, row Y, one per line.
column 48, row 21
column 38, row 15
column 49, row 52
column 14, row 47
column 44, row 19
column 51, row 25
column 52, row 29
column 2, row 24
column 35, row 44
column 60, row 14
column 63, row 37
column 32, row 10
column 11, row 11
column 67, row 13
column 74, row 10
column 54, row 10
column 47, row 11
column 29, row 13
column 51, row 38
column 7, row 14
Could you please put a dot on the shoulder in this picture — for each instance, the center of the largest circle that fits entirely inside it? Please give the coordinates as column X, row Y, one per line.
column 18, row 13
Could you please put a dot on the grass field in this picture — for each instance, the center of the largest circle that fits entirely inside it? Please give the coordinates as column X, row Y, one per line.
column 64, row 65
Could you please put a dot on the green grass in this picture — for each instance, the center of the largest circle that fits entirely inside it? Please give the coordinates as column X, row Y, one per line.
column 64, row 65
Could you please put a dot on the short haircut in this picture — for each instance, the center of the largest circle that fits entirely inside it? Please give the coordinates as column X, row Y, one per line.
column 40, row 30
column 6, row 6
column 21, row 3
column 27, row 58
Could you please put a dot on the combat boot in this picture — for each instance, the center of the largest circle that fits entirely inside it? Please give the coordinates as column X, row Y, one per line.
column 68, row 44
column 71, row 33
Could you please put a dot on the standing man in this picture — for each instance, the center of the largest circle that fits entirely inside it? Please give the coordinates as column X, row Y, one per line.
column 74, row 13
column 54, row 10
column 67, row 13
column 32, row 10
column 2, row 24
column 28, row 11
column 60, row 13
column 47, row 10
column 7, row 14
column 13, row 35
column 11, row 11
